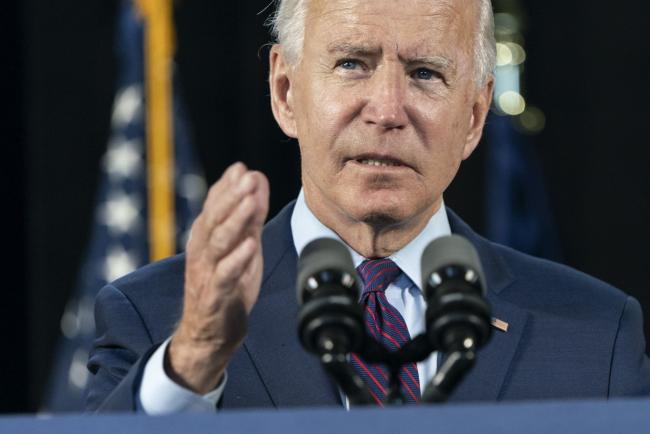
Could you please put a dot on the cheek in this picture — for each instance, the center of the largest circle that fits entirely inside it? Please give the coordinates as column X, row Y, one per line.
column 443, row 137
column 443, row 125
column 322, row 119
column 332, row 109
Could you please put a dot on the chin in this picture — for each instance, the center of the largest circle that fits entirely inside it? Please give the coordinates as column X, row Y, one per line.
column 381, row 220
column 381, row 212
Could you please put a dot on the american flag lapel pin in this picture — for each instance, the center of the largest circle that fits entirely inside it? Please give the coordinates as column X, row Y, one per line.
column 498, row 324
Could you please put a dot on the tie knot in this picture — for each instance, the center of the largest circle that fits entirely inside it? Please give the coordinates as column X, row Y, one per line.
column 377, row 274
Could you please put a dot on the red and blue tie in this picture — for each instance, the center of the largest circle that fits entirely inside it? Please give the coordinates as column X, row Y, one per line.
column 387, row 326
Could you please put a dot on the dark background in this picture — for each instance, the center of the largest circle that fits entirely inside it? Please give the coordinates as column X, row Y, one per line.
column 587, row 69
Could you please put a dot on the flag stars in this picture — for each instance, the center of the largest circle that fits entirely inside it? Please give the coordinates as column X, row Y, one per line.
column 78, row 373
column 123, row 159
column 118, row 263
column 128, row 106
column 121, row 213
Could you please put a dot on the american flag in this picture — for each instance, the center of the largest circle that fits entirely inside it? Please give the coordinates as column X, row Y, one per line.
column 119, row 241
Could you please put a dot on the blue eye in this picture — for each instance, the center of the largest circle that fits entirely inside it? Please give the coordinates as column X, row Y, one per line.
column 349, row 64
column 424, row 74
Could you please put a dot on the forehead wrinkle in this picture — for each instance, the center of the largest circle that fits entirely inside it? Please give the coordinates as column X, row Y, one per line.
column 427, row 29
column 354, row 48
column 362, row 48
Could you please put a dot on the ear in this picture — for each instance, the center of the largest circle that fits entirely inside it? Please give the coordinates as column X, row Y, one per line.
column 477, row 120
column 281, row 91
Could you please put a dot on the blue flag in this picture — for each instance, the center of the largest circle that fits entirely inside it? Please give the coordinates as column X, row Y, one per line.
column 119, row 242
column 518, row 212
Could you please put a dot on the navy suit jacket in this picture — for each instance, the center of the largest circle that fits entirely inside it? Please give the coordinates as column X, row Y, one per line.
column 569, row 335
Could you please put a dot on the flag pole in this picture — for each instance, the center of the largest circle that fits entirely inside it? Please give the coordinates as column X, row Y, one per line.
column 159, row 49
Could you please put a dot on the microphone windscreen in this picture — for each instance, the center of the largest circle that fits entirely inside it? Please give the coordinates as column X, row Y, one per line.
column 452, row 250
column 322, row 254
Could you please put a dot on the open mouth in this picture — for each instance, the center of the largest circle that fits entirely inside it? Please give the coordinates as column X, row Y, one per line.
column 378, row 161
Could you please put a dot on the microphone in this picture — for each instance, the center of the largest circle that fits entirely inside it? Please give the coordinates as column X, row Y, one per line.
column 330, row 320
column 458, row 316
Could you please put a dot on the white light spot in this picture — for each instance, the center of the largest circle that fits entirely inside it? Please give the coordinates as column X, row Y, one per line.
column 123, row 158
column 121, row 213
column 504, row 55
column 517, row 53
column 348, row 281
column 328, row 344
column 470, row 276
column 128, row 106
column 435, row 279
column 192, row 187
column 512, row 103
column 78, row 373
column 118, row 263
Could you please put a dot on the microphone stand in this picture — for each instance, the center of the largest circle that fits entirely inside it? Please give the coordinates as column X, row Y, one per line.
column 452, row 371
column 347, row 379
column 335, row 362
column 332, row 348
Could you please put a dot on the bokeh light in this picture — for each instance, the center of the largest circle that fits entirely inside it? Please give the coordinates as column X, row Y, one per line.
column 511, row 103
column 532, row 120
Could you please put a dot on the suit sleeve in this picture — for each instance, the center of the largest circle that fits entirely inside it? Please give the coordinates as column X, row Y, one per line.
column 630, row 368
column 119, row 353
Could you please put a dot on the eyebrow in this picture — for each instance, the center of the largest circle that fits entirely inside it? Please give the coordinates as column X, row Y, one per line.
column 359, row 49
column 438, row 62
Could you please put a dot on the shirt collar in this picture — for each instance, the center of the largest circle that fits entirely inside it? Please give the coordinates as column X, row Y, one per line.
column 305, row 227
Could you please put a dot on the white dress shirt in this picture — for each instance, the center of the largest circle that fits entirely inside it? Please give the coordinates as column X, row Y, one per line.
column 158, row 394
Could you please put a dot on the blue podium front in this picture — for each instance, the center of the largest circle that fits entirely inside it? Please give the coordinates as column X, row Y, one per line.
column 624, row 416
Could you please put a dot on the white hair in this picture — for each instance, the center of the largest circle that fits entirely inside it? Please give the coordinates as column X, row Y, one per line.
column 288, row 28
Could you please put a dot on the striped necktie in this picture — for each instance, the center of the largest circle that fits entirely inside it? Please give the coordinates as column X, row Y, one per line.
column 386, row 325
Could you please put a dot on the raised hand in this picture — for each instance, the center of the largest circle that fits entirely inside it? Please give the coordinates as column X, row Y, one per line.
column 223, row 273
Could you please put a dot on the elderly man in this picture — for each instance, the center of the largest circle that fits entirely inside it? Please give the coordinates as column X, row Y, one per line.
column 386, row 100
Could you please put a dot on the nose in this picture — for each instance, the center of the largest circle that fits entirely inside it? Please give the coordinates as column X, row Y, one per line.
column 385, row 106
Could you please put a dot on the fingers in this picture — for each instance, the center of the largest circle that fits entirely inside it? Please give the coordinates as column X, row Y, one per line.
column 225, row 236
column 226, row 195
column 222, row 198
column 234, row 211
column 236, row 208
column 231, row 267
column 261, row 196
column 237, row 205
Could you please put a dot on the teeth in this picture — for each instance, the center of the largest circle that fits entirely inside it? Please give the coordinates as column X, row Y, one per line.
column 377, row 163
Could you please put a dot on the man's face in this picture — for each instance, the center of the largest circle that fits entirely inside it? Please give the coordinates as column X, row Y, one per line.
column 385, row 105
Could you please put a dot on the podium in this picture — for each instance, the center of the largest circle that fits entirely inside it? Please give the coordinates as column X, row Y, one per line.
column 593, row 417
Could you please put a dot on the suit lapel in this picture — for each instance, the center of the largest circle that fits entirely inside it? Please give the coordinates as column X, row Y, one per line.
column 485, row 380
column 291, row 376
